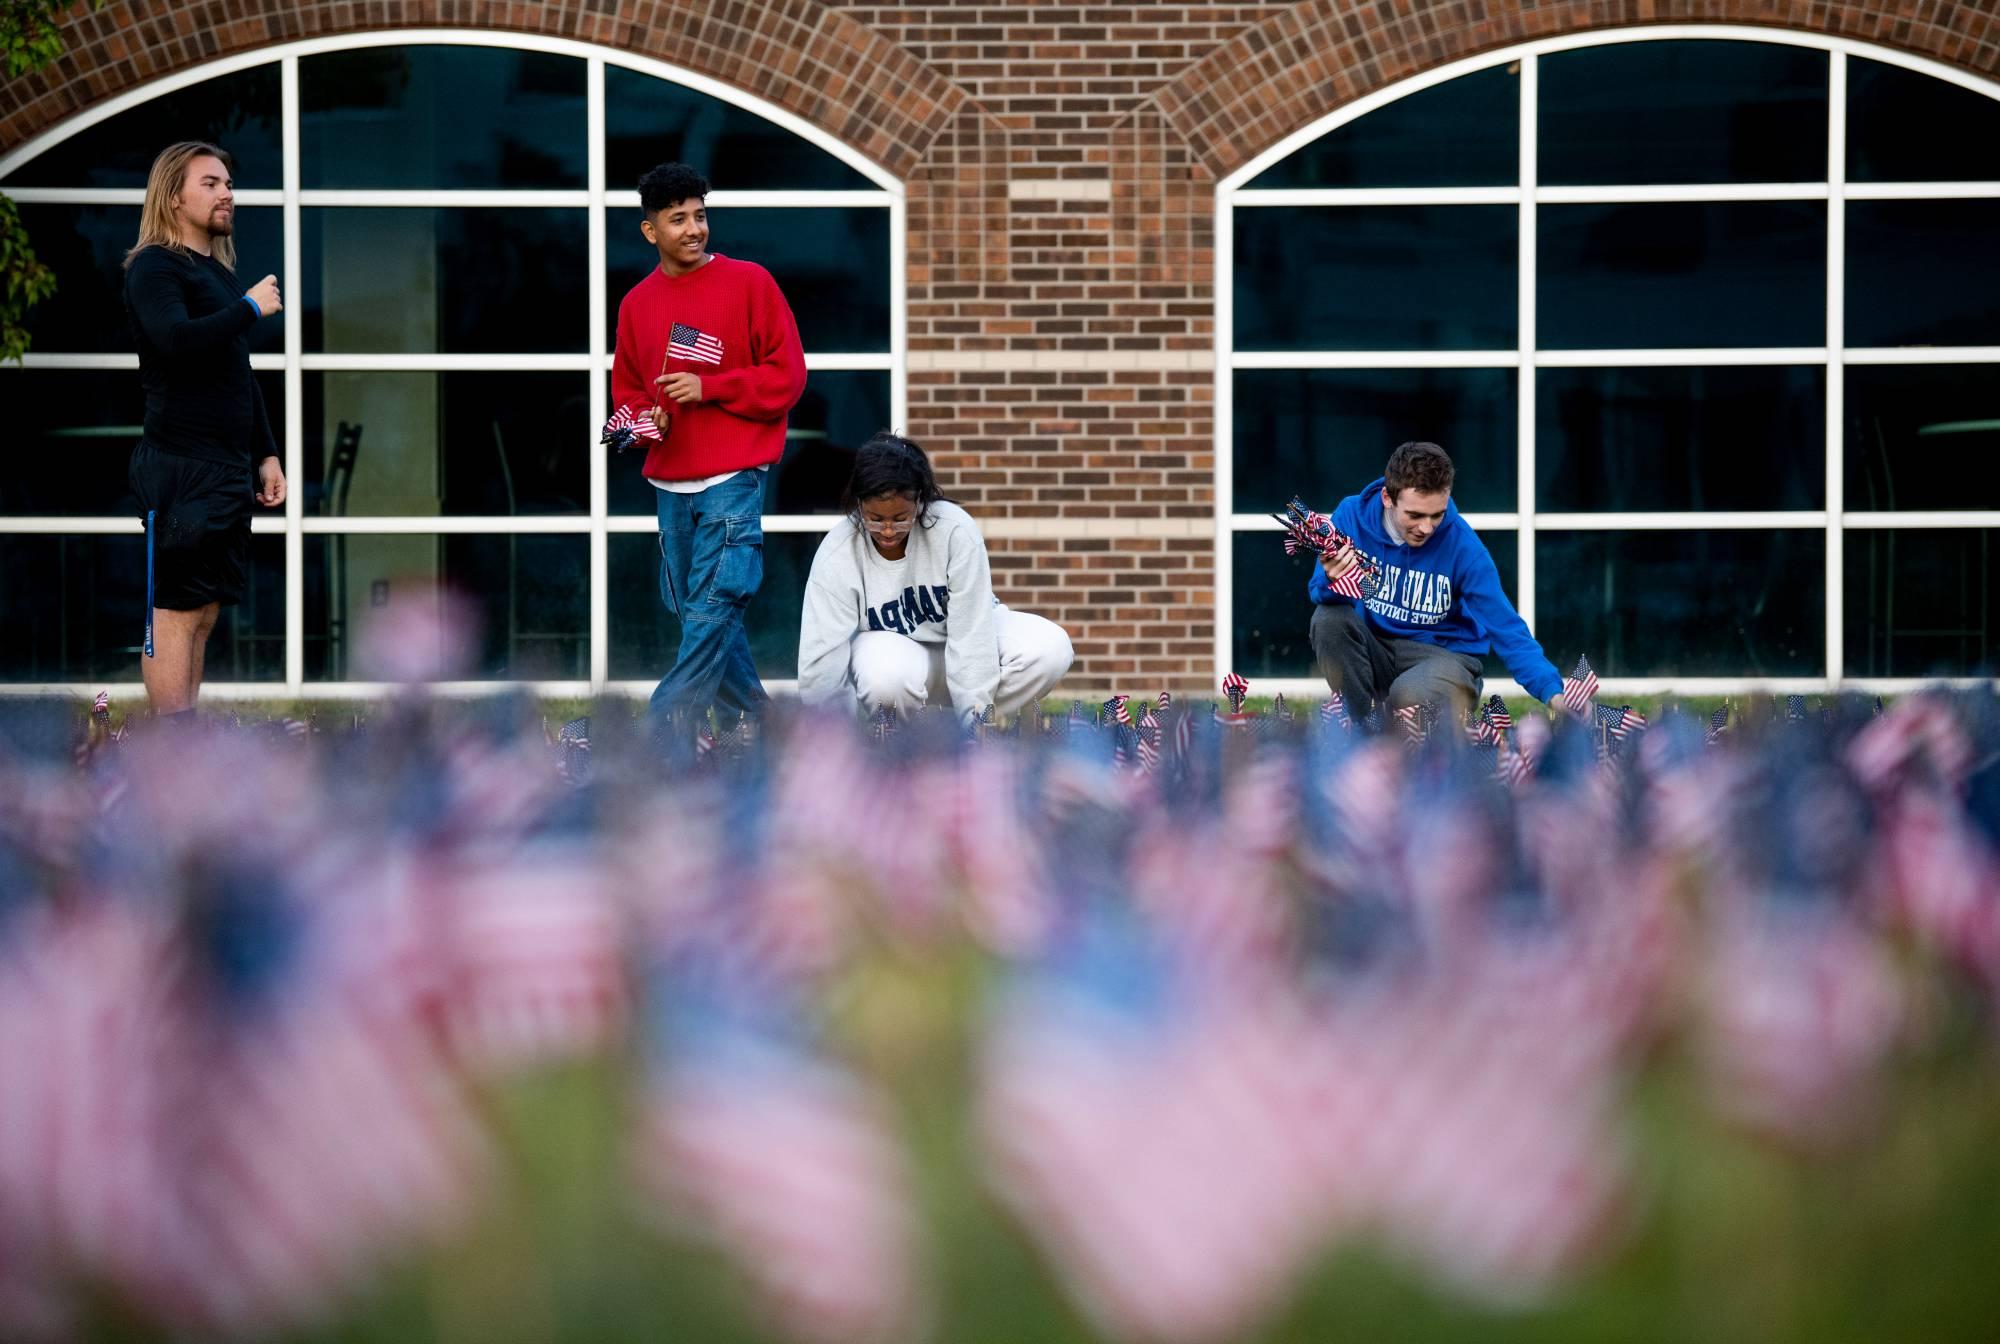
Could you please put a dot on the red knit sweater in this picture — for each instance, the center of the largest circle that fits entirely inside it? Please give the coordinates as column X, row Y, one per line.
column 735, row 333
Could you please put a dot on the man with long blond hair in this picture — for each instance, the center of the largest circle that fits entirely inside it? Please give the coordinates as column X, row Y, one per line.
column 207, row 449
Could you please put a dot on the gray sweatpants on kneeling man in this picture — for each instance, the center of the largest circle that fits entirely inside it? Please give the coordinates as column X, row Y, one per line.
column 1366, row 666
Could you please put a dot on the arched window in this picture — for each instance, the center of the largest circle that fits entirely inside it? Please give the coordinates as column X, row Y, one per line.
column 455, row 219
column 1708, row 318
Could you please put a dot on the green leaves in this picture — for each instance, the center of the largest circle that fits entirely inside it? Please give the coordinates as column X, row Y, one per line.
column 31, row 37
column 31, row 33
column 24, row 282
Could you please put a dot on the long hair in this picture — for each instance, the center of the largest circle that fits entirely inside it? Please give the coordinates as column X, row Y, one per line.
column 889, row 464
column 157, row 225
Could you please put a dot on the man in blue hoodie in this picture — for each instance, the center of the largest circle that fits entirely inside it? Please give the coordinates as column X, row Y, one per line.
column 1423, row 636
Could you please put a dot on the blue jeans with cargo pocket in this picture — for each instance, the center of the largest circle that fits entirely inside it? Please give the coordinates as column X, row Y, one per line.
column 711, row 563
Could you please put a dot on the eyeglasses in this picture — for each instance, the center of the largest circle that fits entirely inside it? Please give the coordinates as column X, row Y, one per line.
column 885, row 528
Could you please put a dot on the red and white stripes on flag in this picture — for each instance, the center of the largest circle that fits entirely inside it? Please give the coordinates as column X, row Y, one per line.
column 691, row 343
column 1149, row 742
column 792, row 1167
column 1579, row 688
column 85, row 1013
column 1800, row 1012
column 318, row 1136
column 1157, row 1169
column 536, row 950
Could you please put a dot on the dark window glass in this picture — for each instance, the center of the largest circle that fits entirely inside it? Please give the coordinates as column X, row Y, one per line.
column 458, row 281
column 648, row 121
column 70, row 434
column 1682, row 274
column 831, row 263
column 531, row 595
column 1907, row 127
column 1923, row 272
column 239, row 112
column 76, row 611
column 1322, row 434
column 645, row 638
column 85, row 245
column 1463, row 133
column 1711, row 603
column 404, row 117
column 1694, row 111
column 1662, row 439
column 1274, row 615
column 1921, row 603
column 838, row 412
column 1406, row 277
column 1923, row 437
column 447, row 443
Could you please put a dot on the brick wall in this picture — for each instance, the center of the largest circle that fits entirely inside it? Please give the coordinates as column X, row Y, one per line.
column 1060, row 160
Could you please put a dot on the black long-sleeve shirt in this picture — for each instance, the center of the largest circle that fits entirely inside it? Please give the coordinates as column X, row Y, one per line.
column 192, row 327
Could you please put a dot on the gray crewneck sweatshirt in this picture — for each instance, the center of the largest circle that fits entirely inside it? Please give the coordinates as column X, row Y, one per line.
column 940, row 592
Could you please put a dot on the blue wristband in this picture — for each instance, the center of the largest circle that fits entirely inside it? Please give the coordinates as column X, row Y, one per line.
column 253, row 305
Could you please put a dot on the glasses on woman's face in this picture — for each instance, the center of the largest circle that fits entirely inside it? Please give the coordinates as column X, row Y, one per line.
column 885, row 527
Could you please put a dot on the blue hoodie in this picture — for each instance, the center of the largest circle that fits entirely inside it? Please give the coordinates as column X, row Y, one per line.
column 1445, row 592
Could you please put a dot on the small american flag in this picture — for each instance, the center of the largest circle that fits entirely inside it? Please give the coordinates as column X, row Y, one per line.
column 1479, row 729
column 1149, row 742
column 573, row 750
column 1236, row 689
column 883, row 724
column 1579, row 687
column 1279, row 709
column 686, row 342
column 1116, row 709
column 1498, row 714
column 1630, row 721
column 1333, row 709
column 1166, row 702
column 1795, row 708
column 1415, row 723
column 1718, row 723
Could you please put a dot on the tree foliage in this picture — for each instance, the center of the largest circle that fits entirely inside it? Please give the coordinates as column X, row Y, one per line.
column 30, row 38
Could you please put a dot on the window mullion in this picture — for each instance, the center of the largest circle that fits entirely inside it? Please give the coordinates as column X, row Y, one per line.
column 1524, row 440
column 1836, row 338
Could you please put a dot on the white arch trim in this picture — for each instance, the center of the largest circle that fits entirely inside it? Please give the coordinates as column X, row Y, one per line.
column 450, row 37
column 1600, row 37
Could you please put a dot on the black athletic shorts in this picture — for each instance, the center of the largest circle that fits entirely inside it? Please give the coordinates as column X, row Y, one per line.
column 201, row 527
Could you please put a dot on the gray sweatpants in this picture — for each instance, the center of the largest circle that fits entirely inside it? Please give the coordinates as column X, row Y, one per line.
column 1367, row 667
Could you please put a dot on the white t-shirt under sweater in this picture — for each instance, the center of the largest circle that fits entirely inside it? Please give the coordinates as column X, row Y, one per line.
column 940, row 592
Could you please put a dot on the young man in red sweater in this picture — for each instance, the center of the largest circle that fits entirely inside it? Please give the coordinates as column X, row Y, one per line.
column 708, row 365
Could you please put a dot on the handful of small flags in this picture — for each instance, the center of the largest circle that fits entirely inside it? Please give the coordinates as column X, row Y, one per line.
column 1314, row 534
column 1265, row 987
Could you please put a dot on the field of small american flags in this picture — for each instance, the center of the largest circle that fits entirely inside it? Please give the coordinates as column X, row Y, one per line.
column 1143, row 1020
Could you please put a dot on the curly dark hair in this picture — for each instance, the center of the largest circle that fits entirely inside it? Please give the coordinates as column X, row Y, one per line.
column 1423, row 467
column 668, row 184
column 889, row 464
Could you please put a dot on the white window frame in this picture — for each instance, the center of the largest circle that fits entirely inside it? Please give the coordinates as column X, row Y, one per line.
column 1232, row 194
column 596, row 197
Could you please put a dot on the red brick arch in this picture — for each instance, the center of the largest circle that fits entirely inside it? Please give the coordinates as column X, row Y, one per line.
column 1311, row 58
column 801, row 55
